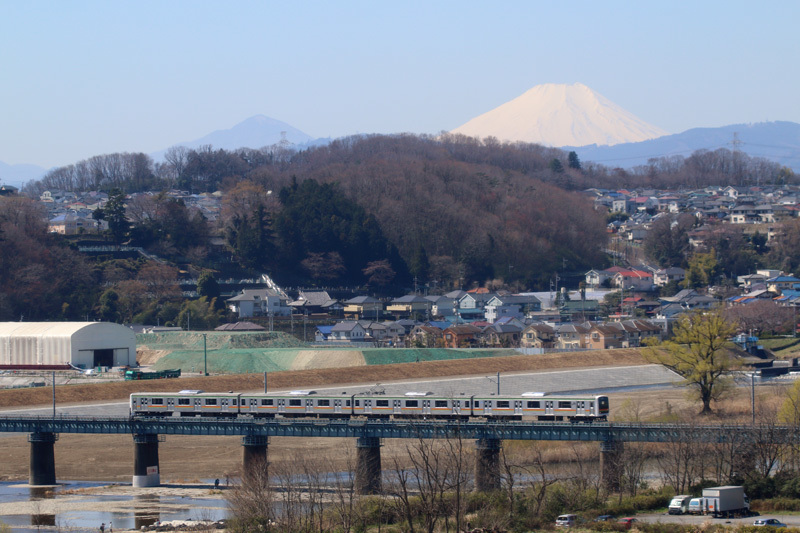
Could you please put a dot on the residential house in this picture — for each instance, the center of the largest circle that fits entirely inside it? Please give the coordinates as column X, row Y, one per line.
column 636, row 331
column 502, row 335
column 363, row 306
column 663, row 276
column 604, row 337
column 425, row 337
column 460, row 336
column 315, row 303
column 579, row 310
column 259, row 302
column 322, row 333
column 348, row 330
column 472, row 306
column 637, row 280
column 778, row 284
column 65, row 224
column 441, row 305
column 596, row 278
column 571, row 336
column 516, row 306
column 538, row 336
column 409, row 305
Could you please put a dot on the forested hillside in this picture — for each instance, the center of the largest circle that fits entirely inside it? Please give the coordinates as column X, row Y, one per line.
column 376, row 211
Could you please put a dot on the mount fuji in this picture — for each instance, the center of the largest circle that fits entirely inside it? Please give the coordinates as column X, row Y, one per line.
column 561, row 115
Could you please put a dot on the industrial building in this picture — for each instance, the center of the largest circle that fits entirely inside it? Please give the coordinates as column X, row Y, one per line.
column 46, row 345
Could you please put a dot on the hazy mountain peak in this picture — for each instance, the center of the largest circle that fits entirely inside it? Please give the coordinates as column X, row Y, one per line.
column 255, row 132
column 561, row 115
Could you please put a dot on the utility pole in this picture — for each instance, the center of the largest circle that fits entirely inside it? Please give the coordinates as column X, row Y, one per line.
column 205, row 356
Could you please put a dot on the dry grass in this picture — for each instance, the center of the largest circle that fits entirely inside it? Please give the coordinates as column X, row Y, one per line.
column 324, row 377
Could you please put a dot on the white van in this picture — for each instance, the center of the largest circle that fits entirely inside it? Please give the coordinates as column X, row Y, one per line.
column 695, row 506
column 566, row 520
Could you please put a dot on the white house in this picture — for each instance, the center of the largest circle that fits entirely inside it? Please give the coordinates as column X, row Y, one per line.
column 348, row 330
column 259, row 302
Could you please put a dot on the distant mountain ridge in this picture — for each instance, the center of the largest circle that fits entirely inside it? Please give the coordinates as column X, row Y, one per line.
column 777, row 141
column 17, row 175
column 561, row 115
column 255, row 132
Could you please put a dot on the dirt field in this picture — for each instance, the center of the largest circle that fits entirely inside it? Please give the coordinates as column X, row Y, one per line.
column 343, row 375
column 188, row 459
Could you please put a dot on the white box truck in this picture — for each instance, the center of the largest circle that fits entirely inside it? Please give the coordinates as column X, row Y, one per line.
column 679, row 504
column 725, row 502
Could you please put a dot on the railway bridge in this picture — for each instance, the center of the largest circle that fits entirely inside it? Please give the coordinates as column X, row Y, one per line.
column 488, row 435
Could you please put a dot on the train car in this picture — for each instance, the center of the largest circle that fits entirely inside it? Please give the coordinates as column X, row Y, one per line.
column 185, row 403
column 542, row 407
column 295, row 404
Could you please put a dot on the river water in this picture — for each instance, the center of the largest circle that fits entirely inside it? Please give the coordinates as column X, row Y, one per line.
column 86, row 505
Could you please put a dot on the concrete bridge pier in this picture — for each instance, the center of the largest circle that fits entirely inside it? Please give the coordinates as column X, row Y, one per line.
column 368, row 465
column 611, row 464
column 145, row 460
column 43, row 460
column 254, row 457
column 487, row 464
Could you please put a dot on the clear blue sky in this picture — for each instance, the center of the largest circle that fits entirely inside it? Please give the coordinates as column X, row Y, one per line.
column 82, row 78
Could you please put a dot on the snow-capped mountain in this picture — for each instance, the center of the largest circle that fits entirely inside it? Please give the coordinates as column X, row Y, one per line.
column 255, row 132
column 561, row 115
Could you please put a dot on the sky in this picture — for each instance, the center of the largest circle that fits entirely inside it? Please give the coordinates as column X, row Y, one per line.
column 84, row 78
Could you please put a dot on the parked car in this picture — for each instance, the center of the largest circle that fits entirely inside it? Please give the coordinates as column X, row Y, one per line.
column 628, row 522
column 566, row 520
column 604, row 518
column 769, row 522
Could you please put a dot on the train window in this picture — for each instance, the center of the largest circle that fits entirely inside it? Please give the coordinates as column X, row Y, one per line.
column 184, row 401
column 324, row 403
column 358, row 403
column 533, row 405
column 295, row 403
column 602, row 402
column 502, row 403
column 466, row 404
column 234, row 402
column 381, row 403
column 211, row 401
column 412, row 403
column 157, row 401
column 347, row 403
column 564, row 404
column 266, row 402
column 441, row 403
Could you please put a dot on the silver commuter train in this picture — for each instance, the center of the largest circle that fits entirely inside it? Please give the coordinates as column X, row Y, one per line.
column 308, row 403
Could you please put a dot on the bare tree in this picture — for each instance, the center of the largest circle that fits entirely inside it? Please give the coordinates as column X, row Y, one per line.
column 252, row 502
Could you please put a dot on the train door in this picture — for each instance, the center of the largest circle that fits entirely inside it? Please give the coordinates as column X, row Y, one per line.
column 580, row 408
column 367, row 406
column 517, row 407
column 426, row 407
column 337, row 407
column 170, row 404
column 397, row 407
column 487, row 408
column 456, row 408
column 281, row 406
column 548, row 408
column 309, row 406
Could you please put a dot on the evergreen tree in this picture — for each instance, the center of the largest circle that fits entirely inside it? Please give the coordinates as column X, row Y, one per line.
column 419, row 265
column 573, row 161
column 114, row 213
column 556, row 166
column 207, row 285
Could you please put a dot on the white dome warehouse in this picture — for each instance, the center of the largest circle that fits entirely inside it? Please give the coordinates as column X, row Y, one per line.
column 52, row 345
